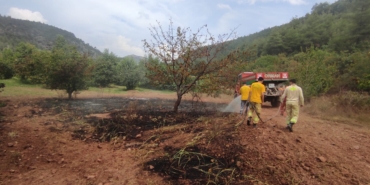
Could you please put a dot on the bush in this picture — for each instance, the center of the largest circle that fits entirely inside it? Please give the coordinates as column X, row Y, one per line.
column 314, row 72
column 6, row 72
column 348, row 106
column 352, row 100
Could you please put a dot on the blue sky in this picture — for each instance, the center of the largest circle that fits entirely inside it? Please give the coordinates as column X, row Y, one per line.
column 121, row 25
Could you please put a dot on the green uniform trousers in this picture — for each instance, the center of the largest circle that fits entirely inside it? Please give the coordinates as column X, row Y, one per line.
column 292, row 110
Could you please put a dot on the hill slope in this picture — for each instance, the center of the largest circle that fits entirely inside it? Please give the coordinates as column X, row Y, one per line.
column 341, row 26
column 134, row 57
column 14, row 31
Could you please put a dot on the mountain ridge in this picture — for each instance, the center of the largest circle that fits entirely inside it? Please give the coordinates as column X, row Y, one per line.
column 13, row 31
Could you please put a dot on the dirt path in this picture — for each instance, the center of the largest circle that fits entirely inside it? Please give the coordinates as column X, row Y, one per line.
column 334, row 153
column 37, row 147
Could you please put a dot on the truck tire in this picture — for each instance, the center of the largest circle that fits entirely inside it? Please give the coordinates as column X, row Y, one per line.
column 275, row 102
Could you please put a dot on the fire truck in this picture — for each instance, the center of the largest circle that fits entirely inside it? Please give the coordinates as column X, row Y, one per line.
column 274, row 82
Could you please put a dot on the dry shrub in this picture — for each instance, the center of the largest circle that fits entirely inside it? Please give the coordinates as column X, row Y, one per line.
column 318, row 105
column 343, row 106
column 352, row 100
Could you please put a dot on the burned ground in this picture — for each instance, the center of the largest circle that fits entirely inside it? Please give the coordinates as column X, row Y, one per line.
column 140, row 141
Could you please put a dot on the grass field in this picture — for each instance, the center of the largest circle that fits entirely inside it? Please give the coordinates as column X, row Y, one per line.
column 15, row 88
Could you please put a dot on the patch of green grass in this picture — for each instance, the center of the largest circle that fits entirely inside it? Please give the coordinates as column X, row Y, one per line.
column 122, row 89
column 15, row 88
column 16, row 82
column 152, row 90
column 27, row 91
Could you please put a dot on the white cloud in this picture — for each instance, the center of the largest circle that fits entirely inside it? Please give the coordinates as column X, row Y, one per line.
column 226, row 22
column 293, row 2
column 121, row 25
column 123, row 45
column 296, row 2
column 26, row 15
column 223, row 6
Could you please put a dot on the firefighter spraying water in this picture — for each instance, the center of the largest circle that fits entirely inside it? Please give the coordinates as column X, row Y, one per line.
column 273, row 81
column 273, row 84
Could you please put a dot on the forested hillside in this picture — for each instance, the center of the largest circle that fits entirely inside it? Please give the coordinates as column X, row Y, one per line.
column 134, row 57
column 43, row 36
column 341, row 26
column 327, row 50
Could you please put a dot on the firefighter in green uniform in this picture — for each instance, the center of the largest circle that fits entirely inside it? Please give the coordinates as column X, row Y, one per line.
column 293, row 96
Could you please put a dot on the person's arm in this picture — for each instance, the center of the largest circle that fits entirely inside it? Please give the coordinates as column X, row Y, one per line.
column 282, row 98
column 263, row 94
column 301, row 98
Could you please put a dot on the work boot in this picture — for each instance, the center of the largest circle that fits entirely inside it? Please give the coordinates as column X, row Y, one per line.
column 254, row 125
column 249, row 121
column 290, row 126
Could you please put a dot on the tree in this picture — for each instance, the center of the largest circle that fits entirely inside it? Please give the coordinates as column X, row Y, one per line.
column 128, row 73
column 186, row 57
column 364, row 84
column 314, row 71
column 105, row 69
column 359, row 70
column 6, row 67
column 29, row 62
column 275, row 44
column 68, row 69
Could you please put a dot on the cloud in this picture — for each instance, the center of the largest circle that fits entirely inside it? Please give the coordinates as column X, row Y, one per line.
column 293, row 2
column 122, row 44
column 121, row 25
column 296, row 2
column 26, row 15
column 223, row 6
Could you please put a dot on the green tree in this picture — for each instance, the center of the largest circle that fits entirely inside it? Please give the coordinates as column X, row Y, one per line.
column 105, row 70
column 361, row 30
column 29, row 63
column 68, row 69
column 274, row 44
column 314, row 71
column 6, row 67
column 359, row 70
column 128, row 73
column 364, row 83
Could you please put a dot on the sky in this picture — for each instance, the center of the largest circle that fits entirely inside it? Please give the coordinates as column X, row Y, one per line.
column 121, row 25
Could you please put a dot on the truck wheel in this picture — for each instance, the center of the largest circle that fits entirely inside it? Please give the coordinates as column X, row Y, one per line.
column 275, row 102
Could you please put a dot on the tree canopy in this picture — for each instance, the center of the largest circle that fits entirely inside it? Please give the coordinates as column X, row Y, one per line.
column 186, row 57
column 68, row 69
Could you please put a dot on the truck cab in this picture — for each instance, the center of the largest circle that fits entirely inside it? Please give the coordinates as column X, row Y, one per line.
column 274, row 82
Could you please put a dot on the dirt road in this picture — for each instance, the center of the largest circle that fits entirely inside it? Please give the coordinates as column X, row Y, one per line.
column 334, row 153
column 37, row 147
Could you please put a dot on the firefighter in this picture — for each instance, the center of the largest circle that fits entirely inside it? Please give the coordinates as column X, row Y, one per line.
column 244, row 96
column 293, row 96
column 256, row 99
